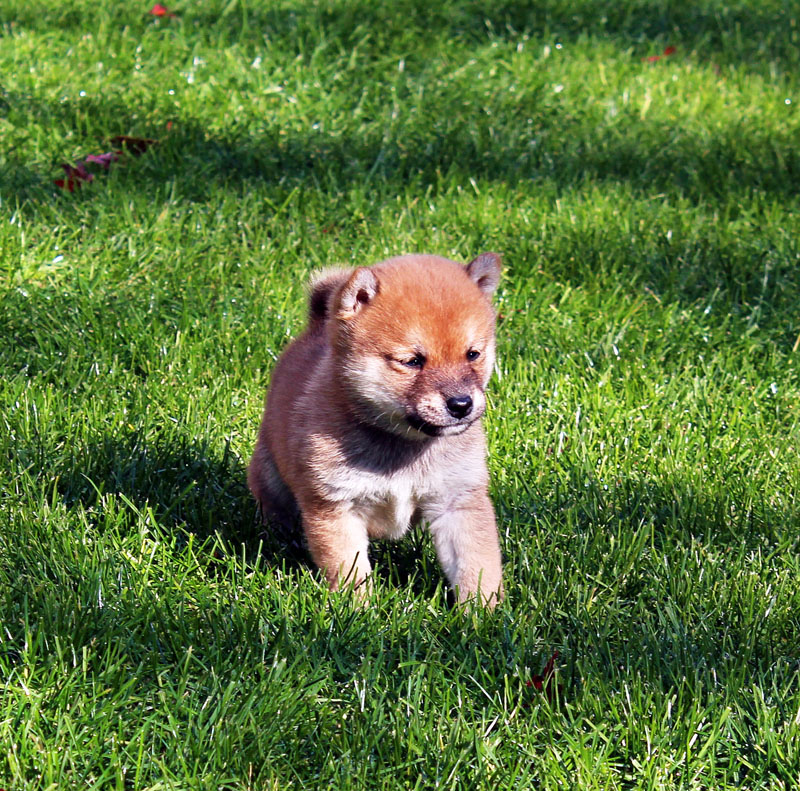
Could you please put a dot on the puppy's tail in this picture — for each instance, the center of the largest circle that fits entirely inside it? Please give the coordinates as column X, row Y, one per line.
column 323, row 286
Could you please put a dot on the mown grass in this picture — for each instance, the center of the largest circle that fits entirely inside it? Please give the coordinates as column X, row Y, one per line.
column 643, row 425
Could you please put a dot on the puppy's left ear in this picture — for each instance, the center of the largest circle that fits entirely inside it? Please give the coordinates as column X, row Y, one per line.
column 485, row 272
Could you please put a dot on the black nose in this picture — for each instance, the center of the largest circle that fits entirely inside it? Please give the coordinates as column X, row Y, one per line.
column 459, row 406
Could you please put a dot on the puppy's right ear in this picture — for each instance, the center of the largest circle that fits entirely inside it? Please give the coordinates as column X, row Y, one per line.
column 357, row 293
column 321, row 291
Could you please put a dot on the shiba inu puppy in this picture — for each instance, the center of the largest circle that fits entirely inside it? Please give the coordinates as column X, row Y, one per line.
column 372, row 419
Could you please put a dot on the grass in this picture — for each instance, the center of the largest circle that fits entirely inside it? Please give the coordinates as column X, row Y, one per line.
column 644, row 419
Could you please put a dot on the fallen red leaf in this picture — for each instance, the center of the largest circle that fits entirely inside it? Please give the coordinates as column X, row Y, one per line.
column 160, row 10
column 77, row 172
column 543, row 683
column 134, row 145
column 667, row 52
column 103, row 160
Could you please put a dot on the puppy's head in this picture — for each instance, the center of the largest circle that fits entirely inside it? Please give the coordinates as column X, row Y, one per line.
column 413, row 339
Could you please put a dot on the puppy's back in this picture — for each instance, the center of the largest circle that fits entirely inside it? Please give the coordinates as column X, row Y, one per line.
column 299, row 360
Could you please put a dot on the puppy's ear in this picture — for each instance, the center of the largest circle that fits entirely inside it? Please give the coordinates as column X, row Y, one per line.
column 356, row 293
column 321, row 290
column 485, row 272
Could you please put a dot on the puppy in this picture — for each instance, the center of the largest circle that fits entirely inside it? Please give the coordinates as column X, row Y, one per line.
column 372, row 420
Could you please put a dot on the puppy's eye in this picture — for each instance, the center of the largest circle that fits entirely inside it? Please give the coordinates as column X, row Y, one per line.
column 473, row 354
column 417, row 361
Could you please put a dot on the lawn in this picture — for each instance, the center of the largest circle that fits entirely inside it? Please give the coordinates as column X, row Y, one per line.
column 643, row 424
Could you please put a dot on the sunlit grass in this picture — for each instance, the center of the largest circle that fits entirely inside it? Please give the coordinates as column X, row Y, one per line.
column 643, row 426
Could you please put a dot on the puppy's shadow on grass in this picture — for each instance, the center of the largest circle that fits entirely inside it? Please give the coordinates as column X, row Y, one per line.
column 409, row 564
column 188, row 485
column 195, row 489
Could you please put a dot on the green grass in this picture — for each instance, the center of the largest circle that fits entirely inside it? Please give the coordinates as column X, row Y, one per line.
column 643, row 427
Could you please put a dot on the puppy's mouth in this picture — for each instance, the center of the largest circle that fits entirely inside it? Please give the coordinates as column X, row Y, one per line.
column 432, row 430
column 415, row 421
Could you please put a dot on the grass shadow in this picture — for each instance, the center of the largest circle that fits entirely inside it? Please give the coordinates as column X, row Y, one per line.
column 187, row 485
column 674, row 556
column 537, row 142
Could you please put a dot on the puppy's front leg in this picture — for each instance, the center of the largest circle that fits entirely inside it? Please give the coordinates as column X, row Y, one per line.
column 337, row 540
column 465, row 537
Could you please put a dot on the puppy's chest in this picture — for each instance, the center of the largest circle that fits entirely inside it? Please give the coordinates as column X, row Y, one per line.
column 389, row 492
column 386, row 503
column 388, row 514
